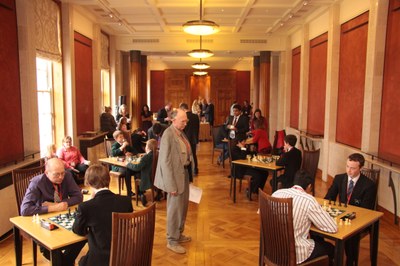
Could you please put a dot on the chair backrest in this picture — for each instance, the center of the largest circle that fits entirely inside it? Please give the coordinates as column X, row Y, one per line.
column 310, row 164
column 215, row 130
column 277, row 233
column 154, row 165
column 276, row 229
column 107, row 146
column 21, row 179
column 373, row 175
column 278, row 142
column 132, row 237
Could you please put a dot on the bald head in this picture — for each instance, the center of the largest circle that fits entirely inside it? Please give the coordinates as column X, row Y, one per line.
column 179, row 119
column 55, row 170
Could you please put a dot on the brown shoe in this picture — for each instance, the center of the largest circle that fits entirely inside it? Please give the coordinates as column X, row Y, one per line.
column 177, row 248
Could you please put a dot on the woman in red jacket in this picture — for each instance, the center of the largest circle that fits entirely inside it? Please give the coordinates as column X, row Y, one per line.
column 260, row 136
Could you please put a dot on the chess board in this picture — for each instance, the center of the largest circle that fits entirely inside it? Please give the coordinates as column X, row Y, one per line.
column 65, row 220
column 333, row 212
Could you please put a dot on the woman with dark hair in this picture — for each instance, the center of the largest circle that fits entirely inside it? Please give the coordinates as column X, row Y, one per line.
column 147, row 118
column 258, row 116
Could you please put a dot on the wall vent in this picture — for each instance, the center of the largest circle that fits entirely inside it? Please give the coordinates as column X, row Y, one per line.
column 145, row 40
column 198, row 41
column 253, row 41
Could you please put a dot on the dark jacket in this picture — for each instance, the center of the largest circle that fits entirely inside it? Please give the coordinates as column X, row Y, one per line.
column 363, row 195
column 144, row 167
column 237, row 154
column 209, row 114
column 242, row 126
column 161, row 115
column 192, row 128
column 116, row 152
column 291, row 160
column 94, row 218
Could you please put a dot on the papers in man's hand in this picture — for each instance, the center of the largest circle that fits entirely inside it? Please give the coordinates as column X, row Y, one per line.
column 195, row 194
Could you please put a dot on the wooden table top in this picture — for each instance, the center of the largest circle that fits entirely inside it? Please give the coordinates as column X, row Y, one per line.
column 114, row 161
column 364, row 218
column 259, row 164
column 55, row 239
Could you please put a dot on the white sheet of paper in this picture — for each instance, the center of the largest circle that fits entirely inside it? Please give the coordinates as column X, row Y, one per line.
column 195, row 194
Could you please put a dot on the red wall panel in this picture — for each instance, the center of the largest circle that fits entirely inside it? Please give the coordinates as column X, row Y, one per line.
column 242, row 86
column 157, row 90
column 11, row 143
column 83, row 84
column 389, row 144
column 317, row 85
column 295, row 90
column 352, row 61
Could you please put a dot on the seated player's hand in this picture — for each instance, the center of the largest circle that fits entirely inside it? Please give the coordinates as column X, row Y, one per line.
column 129, row 154
column 58, row 207
column 86, row 162
column 72, row 164
column 75, row 170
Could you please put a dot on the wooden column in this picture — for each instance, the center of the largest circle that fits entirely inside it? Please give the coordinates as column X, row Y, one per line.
column 135, row 99
column 265, row 65
column 143, row 84
column 255, row 92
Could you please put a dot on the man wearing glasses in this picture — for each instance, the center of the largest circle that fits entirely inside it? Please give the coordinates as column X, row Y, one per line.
column 53, row 191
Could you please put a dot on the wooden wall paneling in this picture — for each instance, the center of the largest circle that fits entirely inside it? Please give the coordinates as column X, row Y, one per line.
column 10, row 102
column 295, row 89
column 157, row 90
column 352, row 63
column 243, row 86
column 389, row 145
column 317, row 85
column 223, row 91
column 177, row 86
column 83, row 83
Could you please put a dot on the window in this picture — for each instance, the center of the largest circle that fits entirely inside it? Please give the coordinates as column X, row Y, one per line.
column 105, row 87
column 45, row 103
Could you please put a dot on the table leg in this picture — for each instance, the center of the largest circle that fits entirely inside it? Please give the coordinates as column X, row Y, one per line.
column 339, row 250
column 55, row 256
column 374, row 246
column 234, row 184
column 17, row 246
column 275, row 176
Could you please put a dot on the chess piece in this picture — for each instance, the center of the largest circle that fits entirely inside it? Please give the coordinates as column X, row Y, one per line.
column 334, row 203
column 345, row 204
column 340, row 204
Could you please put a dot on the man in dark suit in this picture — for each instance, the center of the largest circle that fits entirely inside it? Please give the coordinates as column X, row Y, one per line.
column 291, row 160
column 237, row 124
column 94, row 217
column 162, row 115
column 192, row 133
column 356, row 189
column 209, row 112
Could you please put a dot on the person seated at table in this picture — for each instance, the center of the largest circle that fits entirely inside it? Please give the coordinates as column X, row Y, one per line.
column 257, row 116
column 356, row 189
column 121, row 148
column 307, row 211
column 291, row 160
column 94, row 217
column 142, row 170
column 53, row 191
column 246, row 109
column 237, row 124
column 259, row 177
column 138, row 140
column 260, row 137
column 72, row 158
column 123, row 127
column 123, row 112
column 51, row 152
column 107, row 122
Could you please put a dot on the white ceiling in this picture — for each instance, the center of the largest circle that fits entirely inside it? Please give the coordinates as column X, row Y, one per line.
column 246, row 27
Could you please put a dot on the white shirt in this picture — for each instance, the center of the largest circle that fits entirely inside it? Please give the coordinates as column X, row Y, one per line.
column 306, row 210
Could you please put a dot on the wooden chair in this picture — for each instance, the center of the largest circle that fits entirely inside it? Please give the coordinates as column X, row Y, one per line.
column 277, row 245
column 231, row 144
column 278, row 142
column 215, row 130
column 121, row 178
column 310, row 164
column 21, row 179
column 132, row 237
column 153, row 174
column 373, row 175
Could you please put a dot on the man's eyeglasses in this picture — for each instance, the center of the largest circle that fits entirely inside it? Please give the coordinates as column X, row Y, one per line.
column 55, row 174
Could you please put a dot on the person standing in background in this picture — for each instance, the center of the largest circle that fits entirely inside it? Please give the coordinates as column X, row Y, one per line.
column 123, row 112
column 107, row 122
column 162, row 115
column 147, row 118
column 209, row 112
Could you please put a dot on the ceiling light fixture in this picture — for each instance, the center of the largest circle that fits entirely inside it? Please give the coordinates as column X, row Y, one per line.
column 200, row 65
column 201, row 27
column 200, row 73
column 200, row 53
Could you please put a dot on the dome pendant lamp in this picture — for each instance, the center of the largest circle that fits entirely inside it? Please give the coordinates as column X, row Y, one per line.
column 200, row 27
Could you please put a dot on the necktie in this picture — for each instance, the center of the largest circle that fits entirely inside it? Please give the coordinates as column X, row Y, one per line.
column 350, row 190
column 57, row 196
column 235, row 121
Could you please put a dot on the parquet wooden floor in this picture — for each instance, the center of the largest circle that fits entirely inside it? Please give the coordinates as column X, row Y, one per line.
column 223, row 233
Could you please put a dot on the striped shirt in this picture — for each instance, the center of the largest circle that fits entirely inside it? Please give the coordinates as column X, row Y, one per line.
column 306, row 210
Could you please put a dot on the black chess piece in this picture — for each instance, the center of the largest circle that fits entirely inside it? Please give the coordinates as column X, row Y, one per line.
column 334, row 203
column 345, row 204
column 340, row 204
column 329, row 201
